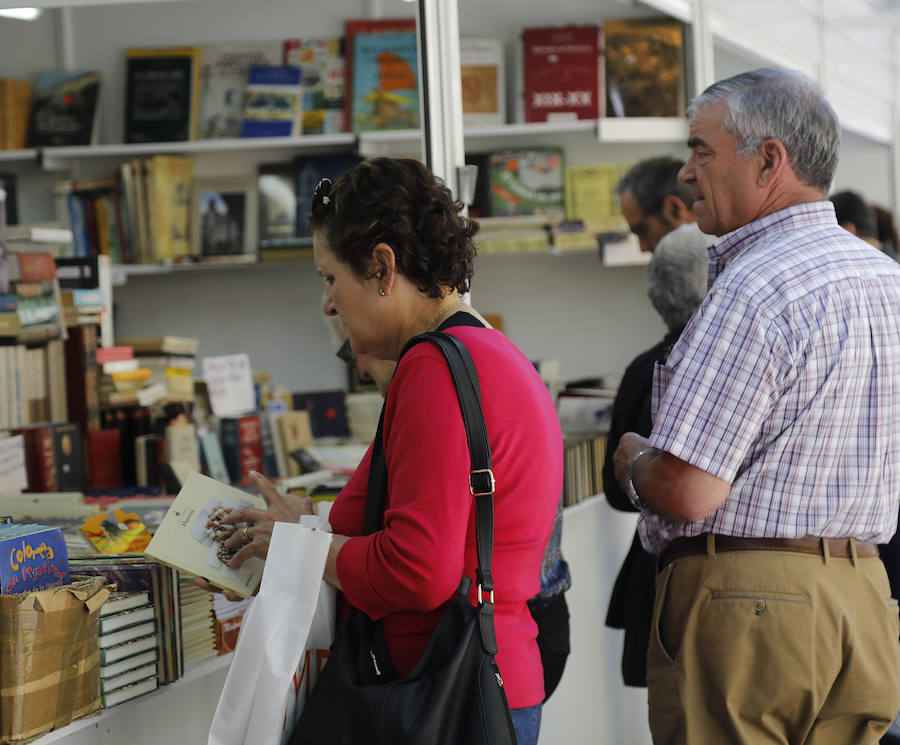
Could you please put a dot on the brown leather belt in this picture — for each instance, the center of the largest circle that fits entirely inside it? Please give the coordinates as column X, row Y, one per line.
column 841, row 548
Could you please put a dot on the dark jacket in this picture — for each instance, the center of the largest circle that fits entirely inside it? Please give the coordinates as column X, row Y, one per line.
column 631, row 600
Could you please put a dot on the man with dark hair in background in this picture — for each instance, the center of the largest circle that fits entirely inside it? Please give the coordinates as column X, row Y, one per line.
column 855, row 215
column 653, row 201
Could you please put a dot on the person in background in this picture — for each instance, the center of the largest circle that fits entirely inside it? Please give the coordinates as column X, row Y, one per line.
column 652, row 200
column 676, row 283
column 395, row 256
column 887, row 231
column 773, row 467
column 855, row 215
column 548, row 608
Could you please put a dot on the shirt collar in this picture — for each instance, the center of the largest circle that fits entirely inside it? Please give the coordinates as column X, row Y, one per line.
column 733, row 244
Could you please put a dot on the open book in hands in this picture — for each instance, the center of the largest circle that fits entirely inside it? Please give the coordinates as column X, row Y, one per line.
column 188, row 538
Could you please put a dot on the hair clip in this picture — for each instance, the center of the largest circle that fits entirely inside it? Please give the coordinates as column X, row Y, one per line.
column 321, row 192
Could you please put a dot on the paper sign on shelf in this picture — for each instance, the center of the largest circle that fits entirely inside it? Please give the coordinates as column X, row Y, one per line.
column 229, row 381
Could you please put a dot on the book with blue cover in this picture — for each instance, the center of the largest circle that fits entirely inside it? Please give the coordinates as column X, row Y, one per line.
column 272, row 102
column 32, row 557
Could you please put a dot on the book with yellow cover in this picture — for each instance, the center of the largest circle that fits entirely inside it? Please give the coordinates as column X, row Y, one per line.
column 172, row 178
column 190, row 536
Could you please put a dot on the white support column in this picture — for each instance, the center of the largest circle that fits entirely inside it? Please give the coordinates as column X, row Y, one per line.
column 702, row 38
column 65, row 39
column 442, row 132
column 895, row 123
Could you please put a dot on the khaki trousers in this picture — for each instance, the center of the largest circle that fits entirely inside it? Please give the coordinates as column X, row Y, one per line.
column 769, row 647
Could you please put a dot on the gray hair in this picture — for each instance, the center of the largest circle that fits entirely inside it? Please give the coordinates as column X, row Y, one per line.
column 785, row 105
column 651, row 180
column 677, row 274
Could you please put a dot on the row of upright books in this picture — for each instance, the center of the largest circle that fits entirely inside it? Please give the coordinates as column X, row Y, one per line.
column 365, row 80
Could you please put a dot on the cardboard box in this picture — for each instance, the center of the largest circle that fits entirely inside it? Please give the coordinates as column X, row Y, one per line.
column 49, row 663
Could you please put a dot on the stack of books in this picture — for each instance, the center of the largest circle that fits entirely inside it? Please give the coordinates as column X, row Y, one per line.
column 128, row 648
column 198, row 622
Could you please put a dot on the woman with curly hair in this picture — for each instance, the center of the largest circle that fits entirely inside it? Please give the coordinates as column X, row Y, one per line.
column 396, row 258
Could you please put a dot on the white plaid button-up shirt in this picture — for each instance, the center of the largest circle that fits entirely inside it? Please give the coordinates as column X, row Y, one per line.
column 786, row 384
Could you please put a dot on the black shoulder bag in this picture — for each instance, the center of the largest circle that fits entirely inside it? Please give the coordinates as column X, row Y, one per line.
column 455, row 694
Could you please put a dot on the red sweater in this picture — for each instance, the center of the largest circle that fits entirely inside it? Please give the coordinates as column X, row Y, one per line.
column 406, row 573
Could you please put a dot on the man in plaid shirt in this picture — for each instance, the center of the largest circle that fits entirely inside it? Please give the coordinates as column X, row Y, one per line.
column 773, row 468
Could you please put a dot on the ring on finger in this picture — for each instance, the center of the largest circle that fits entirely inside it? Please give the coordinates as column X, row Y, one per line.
column 245, row 534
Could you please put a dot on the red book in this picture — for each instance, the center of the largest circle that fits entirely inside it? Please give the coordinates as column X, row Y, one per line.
column 114, row 354
column 242, row 447
column 40, row 464
column 365, row 26
column 33, row 266
column 562, row 70
column 105, row 458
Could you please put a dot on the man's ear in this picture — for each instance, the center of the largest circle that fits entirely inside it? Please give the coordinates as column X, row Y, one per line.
column 675, row 211
column 384, row 267
column 773, row 159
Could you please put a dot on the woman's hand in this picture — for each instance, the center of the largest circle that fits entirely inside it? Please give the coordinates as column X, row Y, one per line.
column 253, row 539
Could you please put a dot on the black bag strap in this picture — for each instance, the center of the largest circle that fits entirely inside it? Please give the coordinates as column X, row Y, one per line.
column 481, row 477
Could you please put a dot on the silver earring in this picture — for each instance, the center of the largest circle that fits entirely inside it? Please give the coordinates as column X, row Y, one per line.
column 381, row 291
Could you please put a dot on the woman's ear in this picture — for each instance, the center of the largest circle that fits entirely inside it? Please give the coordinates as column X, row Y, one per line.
column 385, row 268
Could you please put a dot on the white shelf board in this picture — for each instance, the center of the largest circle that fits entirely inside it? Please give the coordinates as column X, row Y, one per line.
column 12, row 155
column 57, row 157
column 194, row 676
column 642, row 129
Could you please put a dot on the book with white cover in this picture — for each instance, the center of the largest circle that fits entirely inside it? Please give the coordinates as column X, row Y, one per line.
column 182, row 540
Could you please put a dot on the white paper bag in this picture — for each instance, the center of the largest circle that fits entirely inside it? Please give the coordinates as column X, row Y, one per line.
column 283, row 641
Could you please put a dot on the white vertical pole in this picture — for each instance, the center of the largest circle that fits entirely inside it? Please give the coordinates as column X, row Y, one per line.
column 65, row 39
column 442, row 131
column 895, row 125
column 701, row 35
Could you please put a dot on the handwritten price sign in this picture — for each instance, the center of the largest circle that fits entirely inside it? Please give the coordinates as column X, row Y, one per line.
column 229, row 380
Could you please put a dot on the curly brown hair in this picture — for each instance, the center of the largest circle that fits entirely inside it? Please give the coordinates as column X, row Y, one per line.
column 401, row 203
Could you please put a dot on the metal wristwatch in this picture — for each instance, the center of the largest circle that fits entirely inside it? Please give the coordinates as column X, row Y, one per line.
column 633, row 496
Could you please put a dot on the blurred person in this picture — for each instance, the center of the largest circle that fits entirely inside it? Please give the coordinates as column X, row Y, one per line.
column 653, row 201
column 773, row 467
column 855, row 215
column 676, row 283
column 887, row 231
column 395, row 256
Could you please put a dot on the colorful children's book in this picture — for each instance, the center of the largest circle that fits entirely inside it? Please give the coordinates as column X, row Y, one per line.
column 527, row 182
column 32, row 557
column 191, row 536
column 272, row 102
column 385, row 92
column 322, row 76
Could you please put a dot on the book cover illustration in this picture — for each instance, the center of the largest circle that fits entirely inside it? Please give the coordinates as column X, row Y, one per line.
column 223, row 78
column 116, row 532
column 482, row 78
column 591, row 195
column 562, row 70
column 32, row 557
column 272, row 102
column 64, row 109
column 527, row 182
column 321, row 62
column 645, row 72
column 162, row 94
column 385, row 82
column 191, row 535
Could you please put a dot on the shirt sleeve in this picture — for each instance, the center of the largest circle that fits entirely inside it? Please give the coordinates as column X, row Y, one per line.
column 416, row 561
column 719, row 383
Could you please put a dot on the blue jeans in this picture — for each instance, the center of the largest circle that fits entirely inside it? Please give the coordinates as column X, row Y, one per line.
column 527, row 723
